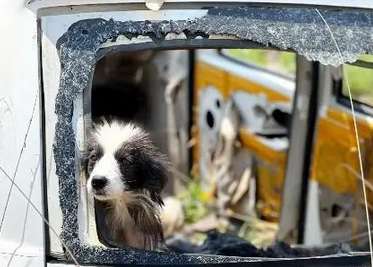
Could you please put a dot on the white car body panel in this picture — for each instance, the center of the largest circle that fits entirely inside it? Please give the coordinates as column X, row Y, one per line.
column 22, row 231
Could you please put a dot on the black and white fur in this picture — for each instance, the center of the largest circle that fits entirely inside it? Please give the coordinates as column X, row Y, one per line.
column 127, row 174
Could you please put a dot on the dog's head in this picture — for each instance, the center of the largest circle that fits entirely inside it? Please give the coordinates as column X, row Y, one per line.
column 121, row 158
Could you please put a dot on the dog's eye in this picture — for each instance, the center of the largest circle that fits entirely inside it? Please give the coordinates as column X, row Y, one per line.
column 127, row 159
column 93, row 157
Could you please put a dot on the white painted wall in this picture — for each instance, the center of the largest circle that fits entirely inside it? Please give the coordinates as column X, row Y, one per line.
column 22, row 228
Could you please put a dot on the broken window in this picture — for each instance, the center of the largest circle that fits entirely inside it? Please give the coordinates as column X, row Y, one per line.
column 135, row 87
column 229, row 124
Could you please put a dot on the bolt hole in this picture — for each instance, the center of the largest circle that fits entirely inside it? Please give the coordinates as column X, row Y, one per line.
column 210, row 119
column 217, row 103
column 336, row 210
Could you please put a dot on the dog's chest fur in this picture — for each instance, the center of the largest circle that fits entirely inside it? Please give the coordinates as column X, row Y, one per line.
column 134, row 221
column 122, row 227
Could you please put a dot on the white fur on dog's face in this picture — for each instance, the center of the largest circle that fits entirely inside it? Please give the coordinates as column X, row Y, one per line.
column 110, row 138
column 107, row 167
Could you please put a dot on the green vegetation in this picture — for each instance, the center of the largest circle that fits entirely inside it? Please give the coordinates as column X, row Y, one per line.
column 360, row 81
column 277, row 61
column 195, row 207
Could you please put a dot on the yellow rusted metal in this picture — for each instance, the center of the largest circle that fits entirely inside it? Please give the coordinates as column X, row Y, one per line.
column 270, row 174
column 243, row 84
column 271, row 163
column 335, row 163
column 334, row 159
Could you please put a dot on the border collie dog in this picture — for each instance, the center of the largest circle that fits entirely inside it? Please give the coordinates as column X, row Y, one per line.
column 127, row 174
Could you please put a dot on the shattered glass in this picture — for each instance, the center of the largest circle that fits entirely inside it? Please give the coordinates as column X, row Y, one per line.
column 297, row 29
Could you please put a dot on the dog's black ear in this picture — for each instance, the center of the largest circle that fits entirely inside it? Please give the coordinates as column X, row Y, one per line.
column 154, row 170
column 156, row 173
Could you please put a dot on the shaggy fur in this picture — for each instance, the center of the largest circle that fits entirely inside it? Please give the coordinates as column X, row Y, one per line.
column 127, row 174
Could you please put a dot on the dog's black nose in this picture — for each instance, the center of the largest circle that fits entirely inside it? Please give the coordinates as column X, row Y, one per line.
column 99, row 182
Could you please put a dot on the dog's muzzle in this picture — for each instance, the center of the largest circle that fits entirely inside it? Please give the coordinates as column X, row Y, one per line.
column 98, row 184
